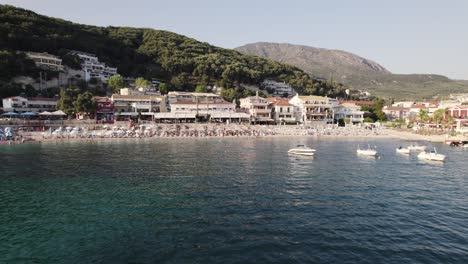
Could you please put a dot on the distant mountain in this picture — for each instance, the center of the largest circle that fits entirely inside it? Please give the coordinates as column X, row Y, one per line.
column 360, row 73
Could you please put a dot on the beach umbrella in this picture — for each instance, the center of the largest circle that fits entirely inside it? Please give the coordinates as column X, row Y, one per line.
column 28, row 114
column 10, row 114
column 59, row 113
column 46, row 113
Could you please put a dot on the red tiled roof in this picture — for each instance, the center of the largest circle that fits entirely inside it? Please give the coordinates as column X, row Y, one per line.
column 418, row 106
column 278, row 101
column 356, row 102
column 396, row 108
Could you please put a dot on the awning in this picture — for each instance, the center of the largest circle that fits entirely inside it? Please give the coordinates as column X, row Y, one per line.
column 174, row 115
column 230, row 115
column 128, row 114
column 28, row 114
column 58, row 113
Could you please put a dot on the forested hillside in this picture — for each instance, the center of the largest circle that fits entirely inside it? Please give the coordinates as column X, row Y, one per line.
column 180, row 61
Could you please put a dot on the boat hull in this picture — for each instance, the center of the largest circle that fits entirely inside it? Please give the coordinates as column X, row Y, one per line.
column 367, row 152
column 301, row 153
column 432, row 156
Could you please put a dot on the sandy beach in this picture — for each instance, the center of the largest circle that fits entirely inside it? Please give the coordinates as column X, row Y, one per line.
column 190, row 131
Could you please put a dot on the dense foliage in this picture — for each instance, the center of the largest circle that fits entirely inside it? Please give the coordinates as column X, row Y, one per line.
column 182, row 62
column 72, row 101
column 376, row 113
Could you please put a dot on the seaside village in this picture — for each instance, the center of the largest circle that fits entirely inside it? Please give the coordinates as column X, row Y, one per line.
column 144, row 111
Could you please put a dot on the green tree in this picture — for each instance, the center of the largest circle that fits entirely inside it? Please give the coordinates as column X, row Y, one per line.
column 67, row 100
column 141, row 82
column 423, row 115
column 438, row 116
column 201, row 89
column 163, row 88
column 116, row 83
column 85, row 103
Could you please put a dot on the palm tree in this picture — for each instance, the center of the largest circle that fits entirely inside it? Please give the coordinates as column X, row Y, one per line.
column 423, row 115
column 439, row 116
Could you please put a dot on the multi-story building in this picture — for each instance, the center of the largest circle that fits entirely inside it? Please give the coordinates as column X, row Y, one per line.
column 281, row 89
column 314, row 109
column 281, row 110
column 460, row 111
column 188, row 107
column 173, row 97
column 257, row 107
column 203, row 107
column 93, row 68
column 29, row 104
column 46, row 60
column 348, row 111
column 396, row 112
column 134, row 104
column 104, row 109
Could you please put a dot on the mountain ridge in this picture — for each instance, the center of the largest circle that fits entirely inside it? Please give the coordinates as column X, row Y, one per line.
column 356, row 71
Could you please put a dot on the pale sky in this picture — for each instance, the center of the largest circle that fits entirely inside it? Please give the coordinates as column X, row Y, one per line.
column 405, row 36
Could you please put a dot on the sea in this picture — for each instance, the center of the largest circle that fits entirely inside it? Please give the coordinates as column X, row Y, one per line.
column 231, row 200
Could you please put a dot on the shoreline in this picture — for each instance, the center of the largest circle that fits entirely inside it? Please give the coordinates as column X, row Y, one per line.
column 216, row 131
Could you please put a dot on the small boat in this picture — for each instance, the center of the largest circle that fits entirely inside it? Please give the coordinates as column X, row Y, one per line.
column 403, row 150
column 367, row 152
column 417, row 148
column 302, row 150
column 432, row 155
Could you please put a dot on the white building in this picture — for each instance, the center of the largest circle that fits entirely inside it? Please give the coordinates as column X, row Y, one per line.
column 93, row 68
column 134, row 104
column 281, row 110
column 314, row 109
column 348, row 111
column 189, row 107
column 29, row 104
column 404, row 104
column 281, row 89
column 257, row 107
column 184, row 96
column 203, row 106
column 396, row 112
column 461, row 97
column 46, row 60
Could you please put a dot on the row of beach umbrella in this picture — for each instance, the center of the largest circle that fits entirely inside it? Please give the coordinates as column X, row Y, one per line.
column 29, row 114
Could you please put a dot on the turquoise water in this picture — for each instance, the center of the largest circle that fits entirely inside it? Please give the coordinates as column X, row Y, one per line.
column 230, row 201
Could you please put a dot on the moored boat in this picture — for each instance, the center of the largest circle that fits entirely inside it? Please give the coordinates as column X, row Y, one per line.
column 432, row 155
column 367, row 152
column 302, row 150
column 416, row 147
column 403, row 150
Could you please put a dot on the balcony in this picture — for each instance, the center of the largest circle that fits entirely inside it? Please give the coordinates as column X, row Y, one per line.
column 260, row 111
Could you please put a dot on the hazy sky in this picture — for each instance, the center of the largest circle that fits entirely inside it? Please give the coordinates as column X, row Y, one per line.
column 405, row 36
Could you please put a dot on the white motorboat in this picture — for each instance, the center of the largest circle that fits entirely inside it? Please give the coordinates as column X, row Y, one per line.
column 417, row 148
column 302, row 150
column 367, row 152
column 403, row 150
column 432, row 155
